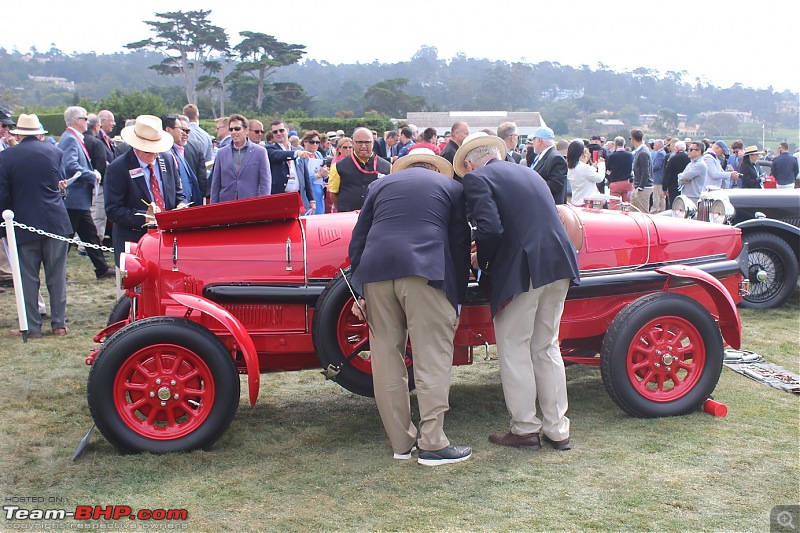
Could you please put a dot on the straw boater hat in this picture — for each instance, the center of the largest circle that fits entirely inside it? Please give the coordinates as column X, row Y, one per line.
column 423, row 155
column 750, row 150
column 146, row 135
column 473, row 141
column 28, row 125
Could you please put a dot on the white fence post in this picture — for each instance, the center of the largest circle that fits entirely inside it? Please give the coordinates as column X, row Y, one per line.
column 13, row 259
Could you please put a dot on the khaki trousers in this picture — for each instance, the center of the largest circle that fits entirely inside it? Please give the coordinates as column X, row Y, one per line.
column 98, row 212
column 530, row 360
column 5, row 266
column 399, row 309
column 659, row 199
column 641, row 199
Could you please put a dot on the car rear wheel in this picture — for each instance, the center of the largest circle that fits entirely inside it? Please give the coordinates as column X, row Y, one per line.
column 772, row 269
column 161, row 385
column 662, row 356
column 341, row 340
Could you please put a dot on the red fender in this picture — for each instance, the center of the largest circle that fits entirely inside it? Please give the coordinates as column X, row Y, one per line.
column 236, row 329
column 729, row 322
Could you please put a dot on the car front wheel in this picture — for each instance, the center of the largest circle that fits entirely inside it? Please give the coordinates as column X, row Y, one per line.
column 772, row 269
column 161, row 385
column 662, row 356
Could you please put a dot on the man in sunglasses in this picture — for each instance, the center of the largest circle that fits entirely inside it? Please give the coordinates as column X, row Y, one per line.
column 255, row 132
column 692, row 180
column 80, row 193
column 287, row 173
column 6, row 123
column 241, row 169
column 350, row 177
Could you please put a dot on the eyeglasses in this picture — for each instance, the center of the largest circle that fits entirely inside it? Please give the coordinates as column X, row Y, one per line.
column 186, row 130
column 259, row 132
column 313, row 142
column 235, row 128
column 5, row 125
column 363, row 143
column 275, row 132
column 693, row 149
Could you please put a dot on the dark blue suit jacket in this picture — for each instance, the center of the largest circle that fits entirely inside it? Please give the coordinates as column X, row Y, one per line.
column 279, row 167
column 413, row 223
column 552, row 167
column 29, row 176
column 520, row 237
column 125, row 196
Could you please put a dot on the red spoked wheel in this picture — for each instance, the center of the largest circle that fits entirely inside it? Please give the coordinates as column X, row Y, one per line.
column 352, row 335
column 666, row 359
column 662, row 356
column 162, row 385
column 164, row 391
column 341, row 341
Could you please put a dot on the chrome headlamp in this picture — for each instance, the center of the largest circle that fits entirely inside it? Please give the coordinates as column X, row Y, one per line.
column 683, row 207
column 721, row 211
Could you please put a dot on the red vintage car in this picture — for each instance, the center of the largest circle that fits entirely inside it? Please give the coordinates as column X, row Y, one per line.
column 250, row 287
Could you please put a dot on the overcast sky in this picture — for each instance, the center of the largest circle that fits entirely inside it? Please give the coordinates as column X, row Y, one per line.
column 722, row 42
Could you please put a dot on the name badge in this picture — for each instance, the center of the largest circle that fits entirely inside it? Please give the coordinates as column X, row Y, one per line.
column 136, row 173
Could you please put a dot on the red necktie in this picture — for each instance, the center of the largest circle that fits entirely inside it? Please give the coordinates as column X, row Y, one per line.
column 157, row 198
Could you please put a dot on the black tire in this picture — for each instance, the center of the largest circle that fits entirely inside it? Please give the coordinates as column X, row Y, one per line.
column 771, row 256
column 335, row 340
column 662, row 336
column 120, row 311
column 167, row 356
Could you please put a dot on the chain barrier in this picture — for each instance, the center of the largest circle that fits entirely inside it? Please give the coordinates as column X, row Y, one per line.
column 59, row 237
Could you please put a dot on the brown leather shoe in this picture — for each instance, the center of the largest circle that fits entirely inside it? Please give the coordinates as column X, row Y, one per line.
column 561, row 445
column 526, row 442
column 18, row 333
column 60, row 332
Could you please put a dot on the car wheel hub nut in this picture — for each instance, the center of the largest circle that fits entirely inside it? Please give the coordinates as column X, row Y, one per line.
column 667, row 359
column 164, row 393
column 762, row 275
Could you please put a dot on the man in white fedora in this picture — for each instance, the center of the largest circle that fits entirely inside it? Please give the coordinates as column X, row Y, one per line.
column 144, row 174
column 31, row 180
column 524, row 249
column 410, row 250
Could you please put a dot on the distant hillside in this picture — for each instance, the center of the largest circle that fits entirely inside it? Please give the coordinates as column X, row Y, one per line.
column 566, row 96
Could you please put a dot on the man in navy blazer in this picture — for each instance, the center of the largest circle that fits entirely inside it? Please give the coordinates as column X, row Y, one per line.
column 80, row 193
column 410, row 250
column 289, row 175
column 386, row 147
column 549, row 164
column 241, row 169
column 31, row 175
column 523, row 247
column 139, row 177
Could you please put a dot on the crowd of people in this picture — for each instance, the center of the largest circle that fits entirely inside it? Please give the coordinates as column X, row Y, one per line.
column 411, row 250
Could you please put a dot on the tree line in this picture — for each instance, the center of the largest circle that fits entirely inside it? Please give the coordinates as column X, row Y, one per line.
column 263, row 76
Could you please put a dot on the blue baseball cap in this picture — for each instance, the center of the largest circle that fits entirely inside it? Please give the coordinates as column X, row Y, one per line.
column 543, row 133
column 722, row 145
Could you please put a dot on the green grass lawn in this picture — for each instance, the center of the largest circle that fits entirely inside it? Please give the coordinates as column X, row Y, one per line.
column 313, row 457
